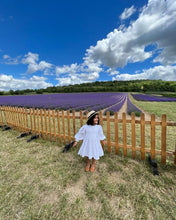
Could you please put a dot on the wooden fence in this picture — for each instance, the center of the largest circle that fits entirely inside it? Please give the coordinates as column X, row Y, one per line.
column 124, row 135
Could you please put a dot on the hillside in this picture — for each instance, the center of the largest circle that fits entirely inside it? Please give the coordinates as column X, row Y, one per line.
column 106, row 86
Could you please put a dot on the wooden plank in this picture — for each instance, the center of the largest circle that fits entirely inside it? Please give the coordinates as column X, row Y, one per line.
column 18, row 118
column 163, row 139
column 101, row 118
column 14, row 117
column 101, row 123
column 30, row 110
column 54, row 125
column 81, row 118
column 58, row 125
column 68, row 125
column 46, row 123
column 63, row 126
column 108, row 132
column 124, row 134
column 41, row 120
column 152, row 136
column 1, row 116
column 34, row 120
column 21, row 119
column 49, row 117
column 38, row 124
column 142, row 136
column 27, row 119
column 133, row 136
column 116, row 133
column 74, row 123
column 24, row 119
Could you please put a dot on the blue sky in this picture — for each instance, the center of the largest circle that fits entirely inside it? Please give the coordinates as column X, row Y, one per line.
column 53, row 43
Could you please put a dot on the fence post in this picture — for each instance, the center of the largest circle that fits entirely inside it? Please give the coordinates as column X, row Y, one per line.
column 38, row 124
column 133, row 135
column 41, row 119
column 68, row 124
column 58, row 124
column 54, row 125
column 49, row 116
column 81, row 118
column 101, row 123
column 124, row 134
column 163, row 139
column 74, row 123
column 63, row 126
column 46, row 123
column 35, row 131
column 108, row 132
column 142, row 136
column 14, row 116
column 152, row 136
column 116, row 133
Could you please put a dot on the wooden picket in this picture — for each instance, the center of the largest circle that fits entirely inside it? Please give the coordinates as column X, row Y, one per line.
column 62, row 126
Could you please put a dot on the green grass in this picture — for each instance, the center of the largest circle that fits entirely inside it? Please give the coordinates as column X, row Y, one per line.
column 38, row 181
column 158, row 108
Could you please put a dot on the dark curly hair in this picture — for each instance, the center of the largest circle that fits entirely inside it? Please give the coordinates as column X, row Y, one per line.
column 91, row 120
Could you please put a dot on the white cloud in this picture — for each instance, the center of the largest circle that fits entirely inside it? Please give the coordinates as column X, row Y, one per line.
column 88, row 71
column 11, row 61
column 33, row 66
column 8, row 82
column 127, row 12
column 156, row 24
column 167, row 73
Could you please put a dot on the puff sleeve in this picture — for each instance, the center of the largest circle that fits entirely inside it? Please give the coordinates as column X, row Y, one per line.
column 100, row 133
column 81, row 134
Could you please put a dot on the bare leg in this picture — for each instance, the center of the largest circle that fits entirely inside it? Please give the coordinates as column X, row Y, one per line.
column 93, row 165
column 87, row 165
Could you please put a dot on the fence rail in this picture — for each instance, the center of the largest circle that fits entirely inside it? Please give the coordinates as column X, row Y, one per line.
column 124, row 135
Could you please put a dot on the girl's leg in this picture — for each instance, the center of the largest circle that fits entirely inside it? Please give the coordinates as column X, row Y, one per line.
column 88, row 165
column 92, row 169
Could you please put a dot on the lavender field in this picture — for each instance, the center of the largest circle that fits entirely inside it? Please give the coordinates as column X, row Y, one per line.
column 152, row 98
column 112, row 101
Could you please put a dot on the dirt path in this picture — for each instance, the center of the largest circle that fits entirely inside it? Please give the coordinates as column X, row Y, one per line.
column 124, row 109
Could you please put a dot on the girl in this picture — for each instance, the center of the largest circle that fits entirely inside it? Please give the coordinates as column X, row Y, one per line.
column 91, row 134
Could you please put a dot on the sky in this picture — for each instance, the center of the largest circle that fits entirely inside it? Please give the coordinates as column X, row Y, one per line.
column 47, row 43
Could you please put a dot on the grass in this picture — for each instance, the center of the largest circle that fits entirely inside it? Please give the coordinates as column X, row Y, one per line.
column 158, row 108
column 38, row 181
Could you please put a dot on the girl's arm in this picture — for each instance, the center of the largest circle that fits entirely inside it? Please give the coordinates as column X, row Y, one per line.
column 80, row 135
column 75, row 143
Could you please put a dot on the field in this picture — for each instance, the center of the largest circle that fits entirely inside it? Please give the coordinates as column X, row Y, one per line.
column 38, row 181
column 109, row 101
column 158, row 108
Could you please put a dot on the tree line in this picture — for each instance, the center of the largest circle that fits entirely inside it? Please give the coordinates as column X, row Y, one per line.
column 144, row 86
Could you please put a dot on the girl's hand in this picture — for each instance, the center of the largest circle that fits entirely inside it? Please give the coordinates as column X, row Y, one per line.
column 75, row 143
column 104, row 142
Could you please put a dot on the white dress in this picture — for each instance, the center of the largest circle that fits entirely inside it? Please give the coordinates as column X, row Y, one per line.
column 91, row 136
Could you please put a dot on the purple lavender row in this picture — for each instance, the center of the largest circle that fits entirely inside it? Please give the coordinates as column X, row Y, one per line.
column 63, row 100
column 152, row 98
column 118, row 106
column 132, row 108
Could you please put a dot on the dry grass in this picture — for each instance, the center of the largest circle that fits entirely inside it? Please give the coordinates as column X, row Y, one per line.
column 38, row 181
